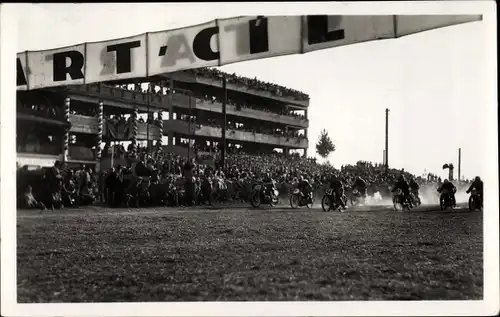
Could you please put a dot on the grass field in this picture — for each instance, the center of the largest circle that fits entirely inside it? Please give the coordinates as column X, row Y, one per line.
column 172, row 255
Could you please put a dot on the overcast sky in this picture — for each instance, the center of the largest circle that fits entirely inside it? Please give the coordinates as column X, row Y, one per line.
column 432, row 82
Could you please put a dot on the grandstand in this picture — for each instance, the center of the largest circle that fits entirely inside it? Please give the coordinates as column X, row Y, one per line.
column 68, row 123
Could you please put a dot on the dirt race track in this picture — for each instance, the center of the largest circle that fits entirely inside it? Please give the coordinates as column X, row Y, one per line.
column 106, row 255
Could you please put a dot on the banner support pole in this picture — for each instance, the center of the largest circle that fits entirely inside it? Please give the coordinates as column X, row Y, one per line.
column 224, row 102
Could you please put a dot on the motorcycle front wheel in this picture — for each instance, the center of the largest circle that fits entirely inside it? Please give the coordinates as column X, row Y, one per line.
column 473, row 204
column 294, row 201
column 325, row 203
column 354, row 201
column 396, row 203
column 255, row 200
column 274, row 200
column 442, row 204
column 311, row 204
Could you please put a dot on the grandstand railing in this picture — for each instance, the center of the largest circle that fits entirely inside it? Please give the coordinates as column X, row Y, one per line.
column 180, row 126
column 243, row 112
column 215, row 132
column 192, row 77
column 139, row 97
column 180, row 98
column 88, row 125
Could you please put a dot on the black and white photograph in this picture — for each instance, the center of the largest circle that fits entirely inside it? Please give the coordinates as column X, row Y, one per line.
column 221, row 158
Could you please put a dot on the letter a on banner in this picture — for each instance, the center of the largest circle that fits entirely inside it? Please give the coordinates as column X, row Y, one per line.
column 192, row 47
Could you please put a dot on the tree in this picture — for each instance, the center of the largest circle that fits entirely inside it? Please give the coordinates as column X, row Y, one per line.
column 325, row 145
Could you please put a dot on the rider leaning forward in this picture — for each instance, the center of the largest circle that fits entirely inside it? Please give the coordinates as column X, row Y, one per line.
column 405, row 188
column 448, row 186
column 338, row 188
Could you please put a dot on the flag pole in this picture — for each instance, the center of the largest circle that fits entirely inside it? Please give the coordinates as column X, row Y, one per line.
column 224, row 102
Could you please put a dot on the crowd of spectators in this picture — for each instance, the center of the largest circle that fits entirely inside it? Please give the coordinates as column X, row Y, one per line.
column 237, row 126
column 274, row 89
column 119, row 119
column 239, row 104
column 39, row 109
column 256, row 84
column 285, row 169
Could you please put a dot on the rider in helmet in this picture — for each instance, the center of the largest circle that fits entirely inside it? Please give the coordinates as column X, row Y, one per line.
column 414, row 187
column 338, row 188
column 268, row 182
column 360, row 185
column 447, row 185
column 305, row 187
column 405, row 188
column 266, row 179
column 478, row 186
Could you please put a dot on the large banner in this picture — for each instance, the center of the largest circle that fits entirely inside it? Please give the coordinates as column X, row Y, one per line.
column 215, row 43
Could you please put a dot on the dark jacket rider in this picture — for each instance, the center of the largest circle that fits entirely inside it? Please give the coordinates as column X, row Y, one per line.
column 450, row 188
column 305, row 187
column 268, row 182
column 478, row 186
column 338, row 188
column 414, row 187
column 404, row 186
column 266, row 179
column 360, row 185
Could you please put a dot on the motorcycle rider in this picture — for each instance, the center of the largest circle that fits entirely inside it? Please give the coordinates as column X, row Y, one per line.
column 338, row 188
column 268, row 183
column 447, row 185
column 405, row 188
column 414, row 187
column 360, row 185
column 305, row 187
column 478, row 186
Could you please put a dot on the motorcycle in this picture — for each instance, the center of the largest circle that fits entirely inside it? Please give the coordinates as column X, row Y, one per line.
column 357, row 197
column 475, row 201
column 415, row 199
column 298, row 199
column 445, row 200
column 140, row 197
column 170, row 198
column 399, row 201
column 329, row 201
column 260, row 194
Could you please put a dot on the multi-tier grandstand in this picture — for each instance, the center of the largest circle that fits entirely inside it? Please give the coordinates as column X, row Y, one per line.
column 90, row 123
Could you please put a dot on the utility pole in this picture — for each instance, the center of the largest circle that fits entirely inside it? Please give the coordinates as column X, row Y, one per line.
column 459, row 162
column 387, row 138
column 224, row 101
